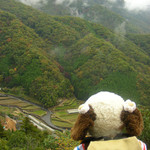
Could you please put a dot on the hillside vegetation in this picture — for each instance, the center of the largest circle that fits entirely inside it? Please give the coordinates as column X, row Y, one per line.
column 25, row 66
column 51, row 58
column 55, row 51
column 111, row 14
column 30, row 137
column 142, row 41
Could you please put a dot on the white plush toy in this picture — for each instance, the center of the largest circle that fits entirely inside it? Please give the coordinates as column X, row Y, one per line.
column 106, row 114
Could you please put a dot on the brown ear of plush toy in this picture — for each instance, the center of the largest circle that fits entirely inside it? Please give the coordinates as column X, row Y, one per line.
column 83, row 123
column 106, row 115
column 133, row 122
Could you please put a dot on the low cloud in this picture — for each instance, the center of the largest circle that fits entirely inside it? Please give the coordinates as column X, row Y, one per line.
column 112, row 0
column 120, row 29
column 134, row 4
column 61, row 1
column 137, row 4
column 34, row 2
column 128, row 4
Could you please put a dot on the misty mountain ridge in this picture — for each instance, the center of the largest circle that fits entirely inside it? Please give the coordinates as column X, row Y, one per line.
column 51, row 57
column 110, row 13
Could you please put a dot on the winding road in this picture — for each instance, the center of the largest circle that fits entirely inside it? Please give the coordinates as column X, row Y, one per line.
column 46, row 119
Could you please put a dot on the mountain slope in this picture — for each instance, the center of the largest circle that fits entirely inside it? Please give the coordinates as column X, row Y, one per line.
column 43, row 24
column 142, row 41
column 97, row 65
column 110, row 14
column 24, row 63
column 90, row 55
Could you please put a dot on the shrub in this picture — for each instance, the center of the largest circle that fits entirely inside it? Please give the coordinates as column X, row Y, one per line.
column 146, row 132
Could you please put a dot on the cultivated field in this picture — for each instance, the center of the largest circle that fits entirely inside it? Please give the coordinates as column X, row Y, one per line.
column 60, row 115
column 23, row 105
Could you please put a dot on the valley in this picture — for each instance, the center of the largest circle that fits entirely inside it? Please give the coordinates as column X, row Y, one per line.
column 54, row 56
column 56, row 118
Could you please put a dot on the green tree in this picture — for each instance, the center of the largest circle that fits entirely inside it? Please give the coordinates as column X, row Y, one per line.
column 3, row 144
column 146, row 132
column 2, row 133
column 17, row 139
column 27, row 127
column 50, row 142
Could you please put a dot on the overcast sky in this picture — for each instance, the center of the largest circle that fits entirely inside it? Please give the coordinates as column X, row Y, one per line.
column 137, row 4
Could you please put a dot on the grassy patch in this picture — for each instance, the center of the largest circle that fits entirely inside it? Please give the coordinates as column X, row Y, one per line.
column 9, row 102
column 10, row 111
column 5, row 98
column 30, row 107
column 21, row 104
column 61, row 117
column 39, row 112
column 69, row 104
column 60, row 123
column 7, row 110
column 65, row 115
column 31, row 99
column 27, row 107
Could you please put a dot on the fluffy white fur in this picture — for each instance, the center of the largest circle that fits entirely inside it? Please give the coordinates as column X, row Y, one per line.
column 83, row 108
column 108, row 107
column 129, row 106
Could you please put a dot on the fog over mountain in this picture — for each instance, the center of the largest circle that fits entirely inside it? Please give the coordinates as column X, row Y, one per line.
column 51, row 57
column 137, row 4
column 34, row 2
column 121, row 16
column 129, row 4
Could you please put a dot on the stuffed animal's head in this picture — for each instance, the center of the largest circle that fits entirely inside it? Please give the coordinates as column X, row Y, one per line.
column 107, row 114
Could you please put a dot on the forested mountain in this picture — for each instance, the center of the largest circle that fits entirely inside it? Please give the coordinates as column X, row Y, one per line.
column 50, row 56
column 142, row 40
column 110, row 13
column 24, row 65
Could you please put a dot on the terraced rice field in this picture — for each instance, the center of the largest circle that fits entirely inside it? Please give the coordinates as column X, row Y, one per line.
column 60, row 115
column 8, row 110
column 23, row 105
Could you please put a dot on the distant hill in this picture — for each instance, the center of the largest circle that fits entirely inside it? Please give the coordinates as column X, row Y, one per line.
column 69, row 54
column 108, row 13
column 142, row 41
column 24, row 65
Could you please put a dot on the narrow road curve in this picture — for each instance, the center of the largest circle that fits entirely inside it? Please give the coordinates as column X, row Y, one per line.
column 45, row 118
